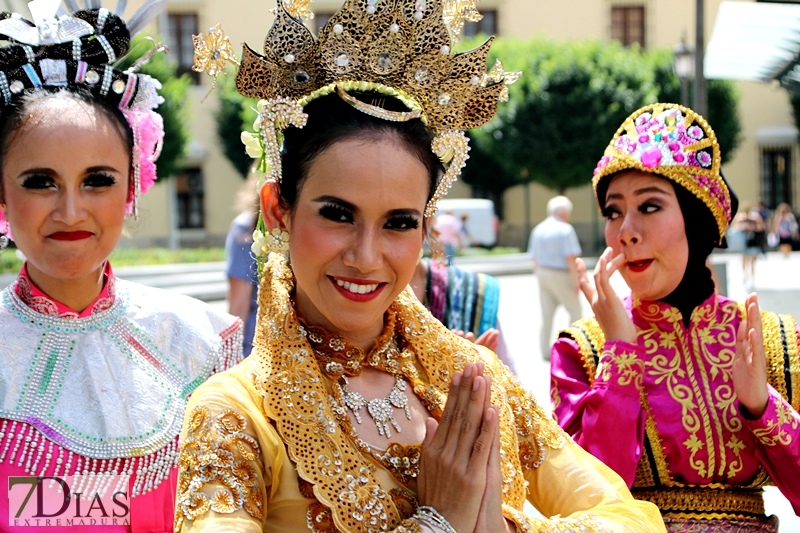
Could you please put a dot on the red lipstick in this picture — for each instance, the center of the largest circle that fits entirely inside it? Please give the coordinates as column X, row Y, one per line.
column 639, row 266
column 70, row 235
column 356, row 297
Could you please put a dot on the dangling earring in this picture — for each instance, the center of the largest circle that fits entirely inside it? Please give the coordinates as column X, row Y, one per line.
column 279, row 242
column 421, row 254
column 4, row 238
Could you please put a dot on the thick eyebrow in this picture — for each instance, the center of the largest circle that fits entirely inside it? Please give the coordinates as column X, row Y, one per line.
column 405, row 212
column 639, row 192
column 327, row 199
column 51, row 172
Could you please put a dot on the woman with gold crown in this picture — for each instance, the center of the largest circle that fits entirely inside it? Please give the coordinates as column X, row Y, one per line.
column 691, row 397
column 96, row 371
column 357, row 410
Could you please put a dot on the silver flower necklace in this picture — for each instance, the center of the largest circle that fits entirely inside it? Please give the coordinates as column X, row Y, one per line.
column 381, row 410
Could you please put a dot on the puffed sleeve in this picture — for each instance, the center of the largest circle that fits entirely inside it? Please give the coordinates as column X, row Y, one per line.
column 227, row 458
column 566, row 483
column 605, row 417
column 778, row 430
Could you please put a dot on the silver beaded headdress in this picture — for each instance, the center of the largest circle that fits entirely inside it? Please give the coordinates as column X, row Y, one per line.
column 73, row 48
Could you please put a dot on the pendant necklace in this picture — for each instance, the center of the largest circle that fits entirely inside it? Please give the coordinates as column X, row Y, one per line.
column 379, row 409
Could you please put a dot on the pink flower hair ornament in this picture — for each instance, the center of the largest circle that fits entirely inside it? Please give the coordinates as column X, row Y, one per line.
column 148, row 139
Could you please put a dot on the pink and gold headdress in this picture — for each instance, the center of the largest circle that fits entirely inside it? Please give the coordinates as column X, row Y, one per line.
column 397, row 48
column 676, row 143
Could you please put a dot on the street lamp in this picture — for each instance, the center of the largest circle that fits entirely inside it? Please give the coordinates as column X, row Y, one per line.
column 683, row 64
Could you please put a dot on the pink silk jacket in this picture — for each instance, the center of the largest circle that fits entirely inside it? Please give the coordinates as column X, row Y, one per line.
column 663, row 413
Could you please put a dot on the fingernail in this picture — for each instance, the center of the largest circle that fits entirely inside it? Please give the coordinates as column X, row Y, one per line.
column 476, row 383
column 490, row 414
column 457, row 379
column 468, row 370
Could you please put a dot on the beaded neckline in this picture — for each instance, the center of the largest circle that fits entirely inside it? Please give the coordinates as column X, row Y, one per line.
column 53, row 342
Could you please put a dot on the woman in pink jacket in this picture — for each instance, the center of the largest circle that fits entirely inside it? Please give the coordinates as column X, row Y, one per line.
column 691, row 397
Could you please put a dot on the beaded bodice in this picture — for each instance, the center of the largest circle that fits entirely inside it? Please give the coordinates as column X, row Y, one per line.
column 109, row 386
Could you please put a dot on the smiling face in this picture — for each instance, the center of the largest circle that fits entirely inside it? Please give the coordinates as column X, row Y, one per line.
column 644, row 221
column 65, row 183
column 356, row 232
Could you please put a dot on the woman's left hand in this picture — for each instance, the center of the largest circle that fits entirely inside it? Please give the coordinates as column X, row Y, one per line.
column 750, row 363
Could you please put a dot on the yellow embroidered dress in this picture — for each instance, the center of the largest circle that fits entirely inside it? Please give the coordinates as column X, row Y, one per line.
column 266, row 446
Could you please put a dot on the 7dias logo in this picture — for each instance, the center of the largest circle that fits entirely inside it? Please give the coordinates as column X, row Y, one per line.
column 87, row 500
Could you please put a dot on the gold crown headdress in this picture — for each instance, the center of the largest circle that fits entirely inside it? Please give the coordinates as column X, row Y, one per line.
column 397, row 48
column 676, row 143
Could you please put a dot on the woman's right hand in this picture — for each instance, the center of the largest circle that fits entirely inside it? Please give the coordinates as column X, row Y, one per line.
column 607, row 306
column 456, row 451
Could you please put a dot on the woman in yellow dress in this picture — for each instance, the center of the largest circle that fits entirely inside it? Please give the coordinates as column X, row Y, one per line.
column 357, row 410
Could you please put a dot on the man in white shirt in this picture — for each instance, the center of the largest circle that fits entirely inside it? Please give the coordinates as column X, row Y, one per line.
column 554, row 247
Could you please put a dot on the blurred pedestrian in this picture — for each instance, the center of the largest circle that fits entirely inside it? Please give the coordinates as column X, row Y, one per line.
column 785, row 227
column 554, row 247
column 448, row 230
column 750, row 223
column 240, row 263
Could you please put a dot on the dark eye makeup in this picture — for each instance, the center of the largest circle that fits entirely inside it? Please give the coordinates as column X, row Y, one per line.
column 38, row 181
column 336, row 213
column 402, row 222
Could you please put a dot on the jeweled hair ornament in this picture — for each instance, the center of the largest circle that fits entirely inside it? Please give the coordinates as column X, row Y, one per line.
column 395, row 48
column 676, row 143
column 78, row 49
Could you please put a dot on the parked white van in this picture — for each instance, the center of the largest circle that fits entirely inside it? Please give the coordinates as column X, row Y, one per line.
column 481, row 222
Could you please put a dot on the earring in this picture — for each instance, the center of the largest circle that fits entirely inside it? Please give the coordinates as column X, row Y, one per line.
column 421, row 254
column 4, row 239
column 279, row 242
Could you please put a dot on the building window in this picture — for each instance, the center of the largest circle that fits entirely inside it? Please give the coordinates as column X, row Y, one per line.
column 320, row 19
column 181, row 28
column 487, row 25
column 776, row 177
column 191, row 199
column 627, row 25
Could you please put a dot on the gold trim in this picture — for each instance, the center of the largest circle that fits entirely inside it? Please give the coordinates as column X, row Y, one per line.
column 377, row 111
column 705, row 503
column 790, row 328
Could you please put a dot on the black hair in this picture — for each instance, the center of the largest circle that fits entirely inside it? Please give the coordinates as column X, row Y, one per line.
column 702, row 235
column 12, row 117
column 332, row 120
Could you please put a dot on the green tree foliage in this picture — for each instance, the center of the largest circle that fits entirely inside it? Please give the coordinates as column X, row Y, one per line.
column 571, row 99
column 723, row 102
column 565, row 109
column 174, row 109
column 234, row 116
column 236, row 113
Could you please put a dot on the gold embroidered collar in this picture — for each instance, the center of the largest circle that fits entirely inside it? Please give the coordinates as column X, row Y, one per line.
column 337, row 357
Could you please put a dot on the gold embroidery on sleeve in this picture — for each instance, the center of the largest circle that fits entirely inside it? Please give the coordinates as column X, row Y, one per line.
column 774, row 432
column 217, row 453
column 586, row 523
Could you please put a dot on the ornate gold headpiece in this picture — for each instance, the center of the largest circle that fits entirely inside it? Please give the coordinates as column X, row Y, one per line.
column 398, row 48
